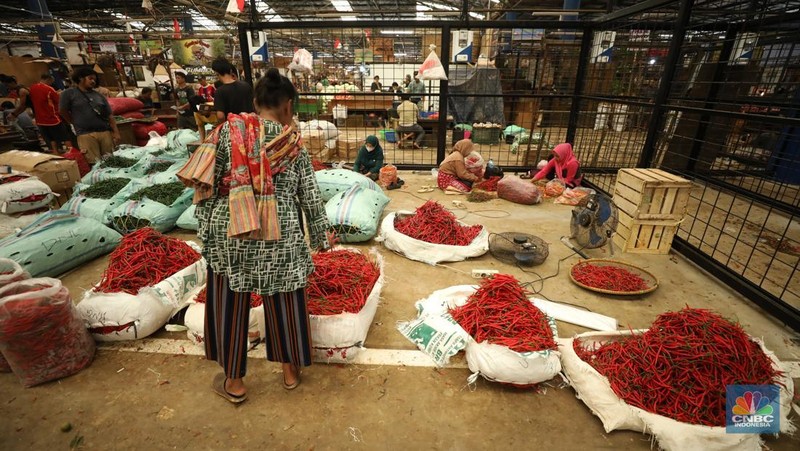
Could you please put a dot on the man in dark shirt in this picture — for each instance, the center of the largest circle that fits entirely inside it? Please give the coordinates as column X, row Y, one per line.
column 184, row 92
column 90, row 114
column 376, row 84
column 234, row 96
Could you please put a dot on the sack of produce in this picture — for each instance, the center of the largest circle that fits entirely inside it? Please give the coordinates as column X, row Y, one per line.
column 149, row 277
column 21, row 192
column 178, row 141
column 10, row 272
column 77, row 156
column 195, row 318
column 115, row 166
column 475, row 164
column 355, row 213
column 57, row 242
column 141, row 130
column 122, row 105
column 156, row 205
column 670, row 380
column 514, row 189
column 432, row 235
column 334, row 181
column 187, row 220
column 343, row 294
column 41, row 335
column 96, row 201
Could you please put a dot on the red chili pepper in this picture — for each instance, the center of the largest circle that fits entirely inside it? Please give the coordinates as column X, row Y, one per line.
column 611, row 278
column 434, row 224
column 680, row 367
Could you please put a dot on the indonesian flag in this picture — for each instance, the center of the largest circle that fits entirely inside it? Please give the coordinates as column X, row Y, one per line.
column 177, row 27
column 337, row 44
column 235, row 6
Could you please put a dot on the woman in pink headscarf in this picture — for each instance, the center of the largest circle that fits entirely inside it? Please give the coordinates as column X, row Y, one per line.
column 563, row 166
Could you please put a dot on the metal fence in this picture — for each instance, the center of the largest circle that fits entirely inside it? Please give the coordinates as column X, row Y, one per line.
column 704, row 89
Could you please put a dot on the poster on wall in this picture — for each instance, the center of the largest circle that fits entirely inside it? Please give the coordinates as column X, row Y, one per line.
column 108, row 47
column 197, row 52
column 150, row 47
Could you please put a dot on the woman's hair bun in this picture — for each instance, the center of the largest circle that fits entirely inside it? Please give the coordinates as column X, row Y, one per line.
column 274, row 75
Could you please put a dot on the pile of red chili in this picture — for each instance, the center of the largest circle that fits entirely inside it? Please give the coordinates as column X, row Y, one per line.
column 255, row 298
column 489, row 184
column 679, row 368
column 499, row 312
column 145, row 258
column 341, row 282
column 607, row 277
column 434, row 224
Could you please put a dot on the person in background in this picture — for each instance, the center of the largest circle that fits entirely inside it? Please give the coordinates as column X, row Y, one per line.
column 206, row 90
column 183, row 92
column 369, row 160
column 103, row 91
column 376, row 84
column 90, row 115
column 396, row 89
column 453, row 173
column 416, row 87
column 45, row 109
column 255, row 246
column 563, row 166
column 408, row 126
column 203, row 115
column 23, row 123
column 406, row 82
column 21, row 94
column 146, row 97
column 234, row 96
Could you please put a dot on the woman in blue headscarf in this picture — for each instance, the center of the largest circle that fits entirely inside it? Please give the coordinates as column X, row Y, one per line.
column 370, row 158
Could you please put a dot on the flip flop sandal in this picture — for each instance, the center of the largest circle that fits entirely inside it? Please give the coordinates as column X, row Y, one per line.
column 393, row 185
column 425, row 189
column 401, row 182
column 525, row 176
column 296, row 382
column 219, row 388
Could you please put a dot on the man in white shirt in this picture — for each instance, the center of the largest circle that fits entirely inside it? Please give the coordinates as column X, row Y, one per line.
column 409, row 112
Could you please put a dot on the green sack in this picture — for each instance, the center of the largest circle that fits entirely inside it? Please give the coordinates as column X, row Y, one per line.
column 94, row 208
column 515, row 130
column 466, row 127
column 354, row 214
column 177, row 142
column 334, row 181
column 57, row 242
column 135, row 214
column 188, row 220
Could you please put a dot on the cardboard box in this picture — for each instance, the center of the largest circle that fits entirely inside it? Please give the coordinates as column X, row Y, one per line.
column 347, row 148
column 58, row 173
column 61, row 198
column 316, row 146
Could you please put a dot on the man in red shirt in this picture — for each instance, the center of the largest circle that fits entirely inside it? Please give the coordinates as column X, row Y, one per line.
column 45, row 109
column 206, row 90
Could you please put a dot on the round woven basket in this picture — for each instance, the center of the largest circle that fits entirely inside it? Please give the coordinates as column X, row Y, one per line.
column 651, row 280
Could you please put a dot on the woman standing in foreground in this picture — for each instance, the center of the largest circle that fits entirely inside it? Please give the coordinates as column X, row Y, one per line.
column 251, row 178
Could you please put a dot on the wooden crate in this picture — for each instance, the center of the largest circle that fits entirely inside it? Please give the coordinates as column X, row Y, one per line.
column 651, row 204
column 347, row 148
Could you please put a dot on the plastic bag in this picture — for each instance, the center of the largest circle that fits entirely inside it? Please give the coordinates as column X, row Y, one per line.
column 334, row 181
column 519, row 191
column 302, row 62
column 27, row 194
column 53, row 346
column 554, row 188
column 475, row 164
column 355, row 213
column 57, row 242
column 573, row 196
column 387, row 175
column 10, row 272
column 432, row 68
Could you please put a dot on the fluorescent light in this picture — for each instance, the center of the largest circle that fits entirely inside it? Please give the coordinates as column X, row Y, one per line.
column 477, row 16
column 75, row 26
column 437, row 6
column 268, row 11
column 349, row 18
column 342, row 5
column 397, row 31
column 652, row 61
column 495, row 1
column 400, row 54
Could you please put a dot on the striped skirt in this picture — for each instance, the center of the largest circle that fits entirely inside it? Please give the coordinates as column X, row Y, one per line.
column 288, row 338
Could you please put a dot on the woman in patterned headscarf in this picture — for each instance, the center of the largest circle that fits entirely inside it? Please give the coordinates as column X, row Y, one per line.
column 252, row 177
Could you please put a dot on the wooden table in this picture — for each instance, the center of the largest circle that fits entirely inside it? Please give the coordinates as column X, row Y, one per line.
column 431, row 127
column 365, row 104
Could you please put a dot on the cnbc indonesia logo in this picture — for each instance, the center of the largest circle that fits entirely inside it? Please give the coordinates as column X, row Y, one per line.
column 752, row 409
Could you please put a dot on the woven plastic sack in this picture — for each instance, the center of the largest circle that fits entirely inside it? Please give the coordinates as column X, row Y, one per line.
column 137, row 170
column 340, row 337
column 475, row 164
column 354, row 214
column 10, row 272
column 187, row 220
column 93, row 208
column 425, row 252
column 325, row 129
column 595, row 391
column 76, row 155
column 141, row 130
column 55, row 344
column 123, row 316
column 387, row 175
column 132, row 214
column 23, row 195
column 514, row 189
column 178, row 140
column 57, row 242
column 135, row 152
column 432, row 68
column 302, row 62
column 122, row 105
column 334, row 181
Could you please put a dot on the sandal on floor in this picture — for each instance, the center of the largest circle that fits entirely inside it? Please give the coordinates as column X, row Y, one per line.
column 296, row 382
column 393, row 185
column 525, row 176
column 401, row 182
column 425, row 189
column 219, row 388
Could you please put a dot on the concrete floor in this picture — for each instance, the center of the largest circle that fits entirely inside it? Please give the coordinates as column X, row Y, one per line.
column 143, row 400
